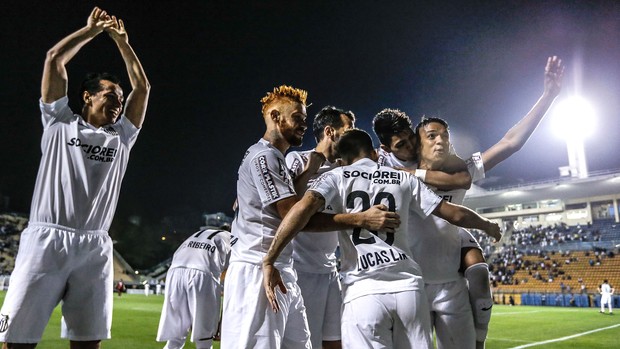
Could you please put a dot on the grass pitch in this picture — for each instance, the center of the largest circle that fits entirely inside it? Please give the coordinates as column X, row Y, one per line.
column 136, row 318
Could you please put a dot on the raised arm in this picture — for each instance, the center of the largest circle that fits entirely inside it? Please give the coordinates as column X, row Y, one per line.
column 516, row 137
column 464, row 217
column 135, row 107
column 54, row 81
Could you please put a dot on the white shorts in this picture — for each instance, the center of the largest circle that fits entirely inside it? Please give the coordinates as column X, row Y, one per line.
column 468, row 240
column 192, row 301
column 451, row 314
column 248, row 320
column 390, row 320
column 323, row 303
column 56, row 263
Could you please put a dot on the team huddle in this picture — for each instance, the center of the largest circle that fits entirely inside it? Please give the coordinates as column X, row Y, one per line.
column 408, row 269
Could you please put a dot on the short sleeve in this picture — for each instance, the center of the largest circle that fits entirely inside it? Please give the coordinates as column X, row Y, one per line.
column 424, row 200
column 475, row 166
column 327, row 186
column 127, row 130
column 271, row 177
column 295, row 163
column 57, row 111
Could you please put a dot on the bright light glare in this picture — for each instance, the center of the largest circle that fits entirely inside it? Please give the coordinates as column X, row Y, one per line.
column 574, row 118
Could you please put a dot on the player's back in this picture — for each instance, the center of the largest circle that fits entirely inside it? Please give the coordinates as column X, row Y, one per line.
column 376, row 262
column 207, row 250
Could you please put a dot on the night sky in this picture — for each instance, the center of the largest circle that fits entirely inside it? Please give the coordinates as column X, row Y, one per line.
column 478, row 65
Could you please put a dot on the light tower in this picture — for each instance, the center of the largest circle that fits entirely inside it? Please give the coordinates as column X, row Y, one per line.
column 574, row 121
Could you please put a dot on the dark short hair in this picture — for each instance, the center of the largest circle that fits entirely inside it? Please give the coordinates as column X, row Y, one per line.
column 329, row 116
column 353, row 143
column 92, row 83
column 389, row 122
column 427, row 120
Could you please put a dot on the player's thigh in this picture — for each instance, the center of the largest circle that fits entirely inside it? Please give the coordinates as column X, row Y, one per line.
column 248, row 320
column 471, row 251
column 367, row 322
column 452, row 315
column 37, row 282
column 87, row 303
column 176, row 318
column 204, row 303
column 333, row 310
column 412, row 325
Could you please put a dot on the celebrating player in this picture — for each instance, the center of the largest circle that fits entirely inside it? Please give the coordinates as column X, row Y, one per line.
column 383, row 292
column 314, row 255
column 439, row 250
column 265, row 193
column 65, row 254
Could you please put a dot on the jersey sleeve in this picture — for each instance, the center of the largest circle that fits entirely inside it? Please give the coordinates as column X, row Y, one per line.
column 127, row 130
column 295, row 163
column 271, row 177
column 327, row 186
column 475, row 167
column 424, row 200
column 57, row 111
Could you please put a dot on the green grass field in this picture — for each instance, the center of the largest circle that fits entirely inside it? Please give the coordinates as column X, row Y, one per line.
column 136, row 318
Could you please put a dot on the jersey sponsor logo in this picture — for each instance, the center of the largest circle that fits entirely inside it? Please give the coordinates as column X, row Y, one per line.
column 377, row 177
column 94, row 152
column 4, row 323
column 110, row 130
column 447, row 198
column 266, row 179
column 295, row 167
column 285, row 175
column 377, row 258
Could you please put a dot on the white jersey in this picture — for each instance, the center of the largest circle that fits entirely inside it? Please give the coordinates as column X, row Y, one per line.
column 388, row 159
column 372, row 262
column 312, row 252
column 437, row 245
column 606, row 289
column 207, row 250
column 263, row 180
column 81, row 169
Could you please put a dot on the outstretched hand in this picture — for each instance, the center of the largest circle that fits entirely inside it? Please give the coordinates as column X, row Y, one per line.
column 554, row 72
column 271, row 280
column 378, row 218
column 99, row 20
column 117, row 30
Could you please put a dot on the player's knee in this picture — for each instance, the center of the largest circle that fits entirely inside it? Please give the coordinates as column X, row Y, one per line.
column 480, row 298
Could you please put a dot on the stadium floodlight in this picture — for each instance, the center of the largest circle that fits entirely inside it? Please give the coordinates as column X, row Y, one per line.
column 574, row 121
column 574, row 118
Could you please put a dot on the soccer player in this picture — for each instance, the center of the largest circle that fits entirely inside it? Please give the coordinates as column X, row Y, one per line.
column 265, row 193
column 439, row 253
column 383, row 291
column 65, row 254
column 606, row 291
column 314, row 253
column 192, row 299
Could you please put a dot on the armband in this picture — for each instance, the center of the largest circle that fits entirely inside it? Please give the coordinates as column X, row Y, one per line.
column 421, row 174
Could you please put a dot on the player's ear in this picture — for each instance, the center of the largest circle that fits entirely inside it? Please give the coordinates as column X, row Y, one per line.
column 86, row 97
column 275, row 115
column 328, row 131
column 385, row 149
column 373, row 155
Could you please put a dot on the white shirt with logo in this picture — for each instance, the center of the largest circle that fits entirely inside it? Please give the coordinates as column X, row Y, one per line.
column 437, row 245
column 376, row 262
column 207, row 250
column 312, row 252
column 263, row 179
column 81, row 169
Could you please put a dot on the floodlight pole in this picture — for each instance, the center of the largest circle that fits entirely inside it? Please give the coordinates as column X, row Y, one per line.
column 577, row 158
